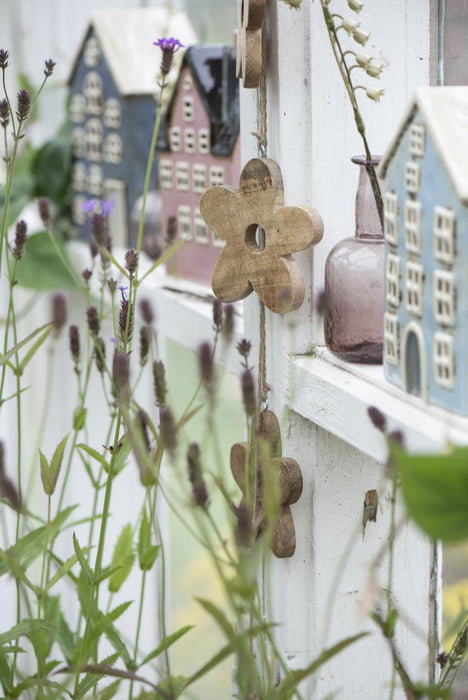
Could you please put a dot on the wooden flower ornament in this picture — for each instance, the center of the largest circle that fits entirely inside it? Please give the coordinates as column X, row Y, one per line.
column 251, row 16
column 290, row 486
column 244, row 264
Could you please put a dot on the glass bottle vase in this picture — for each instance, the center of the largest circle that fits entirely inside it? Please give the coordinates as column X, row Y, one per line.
column 354, row 283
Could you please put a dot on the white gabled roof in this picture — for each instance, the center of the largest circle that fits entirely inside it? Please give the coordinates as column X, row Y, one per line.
column 445, row 113
column 126, row 38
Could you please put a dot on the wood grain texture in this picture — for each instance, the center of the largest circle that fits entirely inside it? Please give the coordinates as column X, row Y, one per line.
column 244, row 265
column 289, row 477
column 251, row 15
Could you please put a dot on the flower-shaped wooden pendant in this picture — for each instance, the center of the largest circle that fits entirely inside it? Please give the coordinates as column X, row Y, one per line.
column 251, row 15
column 290, row 486
column 246, row 217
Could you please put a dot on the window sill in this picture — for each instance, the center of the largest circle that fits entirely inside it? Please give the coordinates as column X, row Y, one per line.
column 336, row 395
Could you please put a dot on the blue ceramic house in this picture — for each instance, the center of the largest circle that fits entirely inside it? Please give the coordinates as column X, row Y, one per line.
column 113, row 86
column 425, row 171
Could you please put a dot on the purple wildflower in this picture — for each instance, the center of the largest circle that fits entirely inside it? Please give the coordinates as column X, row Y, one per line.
column 122, row 290
column 107, row 206
column 168, row 47
column 89, row 205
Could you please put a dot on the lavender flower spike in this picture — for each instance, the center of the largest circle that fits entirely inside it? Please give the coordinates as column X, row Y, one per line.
column 168, row 47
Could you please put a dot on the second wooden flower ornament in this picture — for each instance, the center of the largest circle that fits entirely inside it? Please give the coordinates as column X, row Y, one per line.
column 261, row 234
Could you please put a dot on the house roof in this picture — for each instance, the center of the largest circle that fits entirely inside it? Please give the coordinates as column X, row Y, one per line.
column 212, row 67
column 126, row 38
column 445, row 112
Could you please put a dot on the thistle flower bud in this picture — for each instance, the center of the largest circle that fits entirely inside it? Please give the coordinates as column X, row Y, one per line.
column 99, row 228
column 4, row 114
column 145, row 342
column 229, row 323
column 112, row 285
column 3, row 59
column 100, row 355
column 49, row 67
column 8, row 490
column 147, row 311
column 21, row 236
column 23, row 105
column 160, row 384
column 74, row 338
column 168, row 47
column 131, row 261
column 121, row 371
column 44, row 210
column 171, row 231
column 205, row 360
column 86, row 274
column 217, row 315
column 143, row 420
column 377, row 417
column 243, row 525
column 167, row 430
column 93, row 321
column 248, row 392
column 125, row 321
column 59, row 312
column 243, row 348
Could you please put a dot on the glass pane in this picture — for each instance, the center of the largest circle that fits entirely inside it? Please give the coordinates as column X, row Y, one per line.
column 455, row 44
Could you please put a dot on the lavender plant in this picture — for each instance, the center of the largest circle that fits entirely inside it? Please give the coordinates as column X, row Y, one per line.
column 49, row 652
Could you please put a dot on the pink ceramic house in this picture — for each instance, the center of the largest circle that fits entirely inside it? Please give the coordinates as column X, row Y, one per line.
column 198, row 147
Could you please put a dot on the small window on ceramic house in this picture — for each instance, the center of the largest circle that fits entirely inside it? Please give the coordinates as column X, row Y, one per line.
column 201, row 229
column 444, row 298
column 112, row 113
column 412, row 177
column 187, row 82
column 414, row 288
column 79, row 177
column 165, row 174
column 185, row 221
column 203, row 140
column 391, row 338
column 79, row 216
column 77, row 108
column 189, row 140
column 199, row 178
column 175, row 138
column 95, row 180
column 444, row 360
column 78, row 142
column 182, row 176
column 444, row 234
column 113, row 149
column 390, row 217
column 92, row 52
column 413, row 226
column 188, row 110
column 94, row 140
column 393, row 279
column 417, row 140
column 216, row 175
column 93, row 93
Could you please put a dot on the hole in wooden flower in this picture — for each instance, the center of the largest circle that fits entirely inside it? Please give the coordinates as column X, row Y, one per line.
column 255, row 238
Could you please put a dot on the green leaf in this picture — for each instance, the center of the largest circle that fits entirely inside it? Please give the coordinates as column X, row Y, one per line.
column 166, row 643
column 82, row 560
column 21, row 195
column 123, row 556
column 435, row 489
column 51, row 167
column 95, row 455
column 147, row 553
column 79, row 418
column 119, row 645
column 107, row 573
column 109, row 692
column 41, row 267
column 105, row 670
column 220, row 618
column 4, row 358
column 90, row 680
column 106, row 620
column 6, row 676
column 50, row 473
column 121, row 456
column 64, row 569
column 24, row 629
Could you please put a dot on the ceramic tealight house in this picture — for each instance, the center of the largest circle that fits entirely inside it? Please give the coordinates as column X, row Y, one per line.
column 199, row 147
column 113, row 85
column 425, row 171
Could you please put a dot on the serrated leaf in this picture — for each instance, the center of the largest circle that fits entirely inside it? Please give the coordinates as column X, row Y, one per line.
column 90, row 681
column 82, row 560
column 109, row 692
column 147, row 553
column 123, row 556
column 108, row 619
column 64, row 569
column 166, row 643
column 119, row 645
column 23, row 629
column 4, row 358
column 219, row 617
column 435, row 490
column 104, row 670
column 106, row 574
column 50, row 472
column 121, row 456
column 79, row 417
column 95, row 455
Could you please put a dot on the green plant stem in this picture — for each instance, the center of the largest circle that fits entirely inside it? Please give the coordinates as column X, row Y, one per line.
column 162, row 611
column 44, row 556
column 391, row 543
column 11, row 279
column 9, row 182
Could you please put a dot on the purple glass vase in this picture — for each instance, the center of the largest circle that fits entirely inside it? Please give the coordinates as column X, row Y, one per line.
column 354, row 283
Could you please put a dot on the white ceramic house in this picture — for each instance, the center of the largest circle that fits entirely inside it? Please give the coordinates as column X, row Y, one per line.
column 114, row 88
column 425, row 171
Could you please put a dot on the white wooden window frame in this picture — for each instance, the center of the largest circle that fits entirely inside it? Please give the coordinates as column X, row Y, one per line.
column 182, row 176
column 78, row 142
column 414, row 286
column 92, row 90
column 92, row 52
column 444, row 360
column 412, row 177
column 184, row 221
column 189, row 140
column 391, row 217
column 444, row 228
column 392, row 280
column 113, row 149
column 112, row 113
column 166, row 174
column 444, row 291
column 203, row 140
column 79, row 177
column 175, row 139
column 93, row 133
column 199, row 177
column 201, row 230
column 413, row 226
column 217, row 175
column 417, row 140
column 95, row 180
column 188, row 108
column 77, row 108
column 391, row 338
